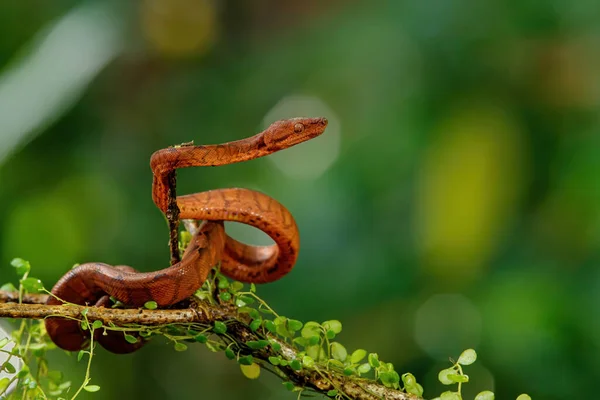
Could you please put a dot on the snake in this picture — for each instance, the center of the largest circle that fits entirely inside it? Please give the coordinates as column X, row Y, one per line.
column 99, row 284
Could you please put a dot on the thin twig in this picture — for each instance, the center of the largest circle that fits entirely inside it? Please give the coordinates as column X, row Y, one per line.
column 172, row 215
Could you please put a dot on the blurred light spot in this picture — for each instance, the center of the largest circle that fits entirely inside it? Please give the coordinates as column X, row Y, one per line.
column 311, row 159
column 468, row 190
column 180, row 27
column 447, row 324
column 47, row 232
column 4, row 356
column 55, row 71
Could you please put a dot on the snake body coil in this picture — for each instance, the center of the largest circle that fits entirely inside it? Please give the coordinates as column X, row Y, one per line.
column 93, row 283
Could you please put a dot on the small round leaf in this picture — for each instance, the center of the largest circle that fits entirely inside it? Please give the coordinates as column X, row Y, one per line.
column 251, row 371
column 444, row 376
column 485, row 395
column 338, row 351
column 151, row 305
column 220, row 328
column 357, row 356
column 467, row 357
column 180, row 346
column 91, row 388
column 130, row 338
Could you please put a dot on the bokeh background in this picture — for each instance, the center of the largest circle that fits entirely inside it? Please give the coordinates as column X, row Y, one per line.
column 453, row 202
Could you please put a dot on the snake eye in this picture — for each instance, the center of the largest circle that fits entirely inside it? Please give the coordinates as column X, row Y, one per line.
column 298, row 128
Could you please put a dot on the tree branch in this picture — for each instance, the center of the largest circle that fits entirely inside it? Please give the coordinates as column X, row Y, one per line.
column 319, row 380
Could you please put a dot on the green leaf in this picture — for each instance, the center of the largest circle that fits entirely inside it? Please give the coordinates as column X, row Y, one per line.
column 275, row 345
column 84, row 325
column 357, row 356
column 31, row 284
column 301, row 341
column 246, row 360
column 3, row 342
column 254, row 325
column 485, row 395
column 332, row 393
column 252, row 288
column 201, row 338
column 8, row 287
column 281, row 328
column 80, row 355
column 450, row 396
column 97, row 324
column 275, row 360
column 220, row 328
column 330, row 334
column 229, row 353
column 409, row 379
column 523, row 397
column 374, row 360
column 270, row 325
column 4, row 384
column 223, row 283
column 311, row 328
column 294, row 325
column 251, row 371
column 444, row 376
column 23, row 267
column 130, row 338
column 254, row 314
column 91, row 388
column 348, row 371
column 333, row 325
column 390, row 378
column 8, row 367
column 313, row 340
column 338, row 351
column 364, row 368
column 225, row 296
column 180, row 346
column 459, row 378
column 236, row 286
column 296, row 365
column 85, row 311
column 417, row 389
column 257, row 344
column 288, row 385
column 467, row 357
column 308, row 362
column 25, row 371
column 64, row 385
column 151, row 305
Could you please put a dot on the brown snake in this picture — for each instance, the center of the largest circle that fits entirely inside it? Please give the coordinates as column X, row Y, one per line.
column 93, row 283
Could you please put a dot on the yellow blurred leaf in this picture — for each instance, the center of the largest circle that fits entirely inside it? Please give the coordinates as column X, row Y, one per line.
column 470, row 181
column 179, row 27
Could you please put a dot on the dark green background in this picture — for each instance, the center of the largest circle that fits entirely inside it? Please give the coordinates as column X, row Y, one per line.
column 453, row 201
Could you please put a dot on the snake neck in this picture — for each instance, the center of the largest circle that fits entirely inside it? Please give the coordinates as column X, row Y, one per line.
column 166, row 160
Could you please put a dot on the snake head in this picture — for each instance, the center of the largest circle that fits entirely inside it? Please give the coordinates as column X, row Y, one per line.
column 289, row 132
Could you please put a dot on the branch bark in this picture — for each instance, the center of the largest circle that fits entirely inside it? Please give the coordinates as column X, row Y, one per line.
column 33, row 306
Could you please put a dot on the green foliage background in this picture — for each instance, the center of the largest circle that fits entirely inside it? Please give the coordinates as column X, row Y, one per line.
column 459, row 209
